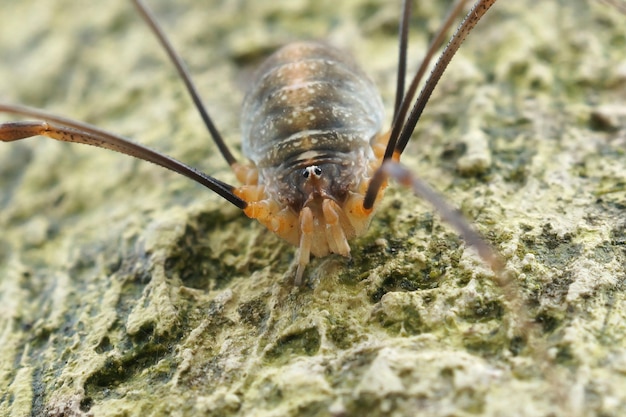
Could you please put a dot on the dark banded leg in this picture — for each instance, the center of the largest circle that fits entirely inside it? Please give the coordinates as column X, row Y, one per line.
column 67, row 130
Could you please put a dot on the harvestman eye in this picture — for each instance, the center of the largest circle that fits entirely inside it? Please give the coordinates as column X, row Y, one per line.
column 317, row 133
column 317, row 171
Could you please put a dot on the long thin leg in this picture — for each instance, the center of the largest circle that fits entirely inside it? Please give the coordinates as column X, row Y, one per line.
column 403, row 36
column 619, row 5
column 184, row 74
column 67, row 130
column 471, row 19
column 402, row 108
column 405, row 177
column 506, row 282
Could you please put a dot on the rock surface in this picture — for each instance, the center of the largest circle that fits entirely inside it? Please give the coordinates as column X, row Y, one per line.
column 128, row 290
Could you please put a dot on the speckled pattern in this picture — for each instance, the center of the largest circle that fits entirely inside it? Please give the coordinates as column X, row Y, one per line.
column 127, row 290
column 308, row 97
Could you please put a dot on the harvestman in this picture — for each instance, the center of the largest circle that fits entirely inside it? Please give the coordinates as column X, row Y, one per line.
column 312, row 129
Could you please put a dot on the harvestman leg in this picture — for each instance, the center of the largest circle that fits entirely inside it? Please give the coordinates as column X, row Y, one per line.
column 398, row 141
column 178, row 62
column 402, row 129
column 67, row 130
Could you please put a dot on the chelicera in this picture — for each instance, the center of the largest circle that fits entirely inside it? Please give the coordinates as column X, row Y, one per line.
column 319, row 159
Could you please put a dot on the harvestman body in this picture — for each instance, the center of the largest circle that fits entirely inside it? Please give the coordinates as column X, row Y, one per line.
column 312, row 129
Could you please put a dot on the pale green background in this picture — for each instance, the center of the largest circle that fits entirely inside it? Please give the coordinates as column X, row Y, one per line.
column 128, row 290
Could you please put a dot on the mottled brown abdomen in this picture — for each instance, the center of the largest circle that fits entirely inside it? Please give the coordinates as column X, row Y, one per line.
column 308, row 124
column 308, row 101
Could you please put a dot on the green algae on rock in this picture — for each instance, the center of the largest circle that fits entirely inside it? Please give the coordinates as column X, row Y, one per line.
column 126, row 290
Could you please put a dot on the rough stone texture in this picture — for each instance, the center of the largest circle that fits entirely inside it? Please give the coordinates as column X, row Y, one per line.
column 128, row 290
